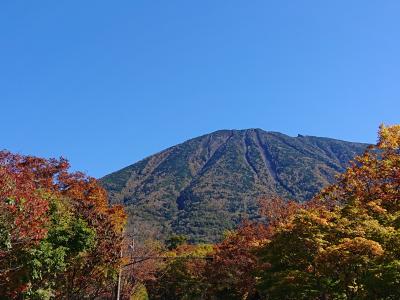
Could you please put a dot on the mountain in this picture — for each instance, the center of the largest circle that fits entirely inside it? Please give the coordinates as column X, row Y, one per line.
column 210, row 183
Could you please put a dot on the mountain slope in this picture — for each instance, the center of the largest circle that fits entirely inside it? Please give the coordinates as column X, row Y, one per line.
column 208, row 184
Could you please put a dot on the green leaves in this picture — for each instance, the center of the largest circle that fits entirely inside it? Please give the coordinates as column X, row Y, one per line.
column 58, row 236
column 346, row 243
column 47, row 260
column 175, row 240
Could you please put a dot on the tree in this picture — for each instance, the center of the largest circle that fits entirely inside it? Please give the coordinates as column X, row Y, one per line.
column 175, row 241
column 24, row 194
column 58, row 236
column 182, row 276
column 142, row 262
column 230, row 274
column 345, row 244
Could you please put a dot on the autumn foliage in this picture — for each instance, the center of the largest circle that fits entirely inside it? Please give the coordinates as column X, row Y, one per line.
column 344, row 244
column 58, row 236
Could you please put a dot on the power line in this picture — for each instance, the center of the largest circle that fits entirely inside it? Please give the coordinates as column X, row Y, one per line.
column 138, row 259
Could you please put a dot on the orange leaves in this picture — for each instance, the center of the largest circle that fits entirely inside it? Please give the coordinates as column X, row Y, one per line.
column 23, row 212
column 374, row 178
column 21, row 201
column 118, row 217
column 351, row 258
column 277, row 210
column 27, row 186
column 350, row 250
column 376, row 207
column 334, row 245
column 389, row 137
column 234, row 260
column 338, row 246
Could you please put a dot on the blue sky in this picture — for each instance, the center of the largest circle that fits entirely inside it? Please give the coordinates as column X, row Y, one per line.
column 107, row 83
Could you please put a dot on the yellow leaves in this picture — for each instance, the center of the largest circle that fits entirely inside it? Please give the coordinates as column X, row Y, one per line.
column 258, row 243
column 313, row 217
column 320, row 220
column 375, row 207
column 348, row 230
column 117, row 217
column 361, row 246
column 389, row 137
column 373, row 175
column 353, row 253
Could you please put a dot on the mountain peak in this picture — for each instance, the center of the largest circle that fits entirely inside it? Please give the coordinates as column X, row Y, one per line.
column 208, row 184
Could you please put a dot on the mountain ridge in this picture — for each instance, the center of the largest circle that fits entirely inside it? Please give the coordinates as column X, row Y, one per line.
column 207, row 184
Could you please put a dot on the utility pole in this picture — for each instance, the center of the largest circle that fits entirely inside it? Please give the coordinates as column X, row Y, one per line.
column 118, row 288
column 132, row 250
column 119, row 281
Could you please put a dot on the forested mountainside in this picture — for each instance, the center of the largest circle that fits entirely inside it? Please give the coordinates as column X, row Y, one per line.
column 208, row 184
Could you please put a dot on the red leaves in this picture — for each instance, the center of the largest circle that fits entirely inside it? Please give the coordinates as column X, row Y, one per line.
column 234, row 260
column 21, row 201
column 27, row 184
column 277, row 210
column 23, row 211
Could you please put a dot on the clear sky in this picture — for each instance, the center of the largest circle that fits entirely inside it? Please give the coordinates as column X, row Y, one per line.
column 107, row 83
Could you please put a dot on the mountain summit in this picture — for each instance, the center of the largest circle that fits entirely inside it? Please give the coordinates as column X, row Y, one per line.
column 210, row 183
